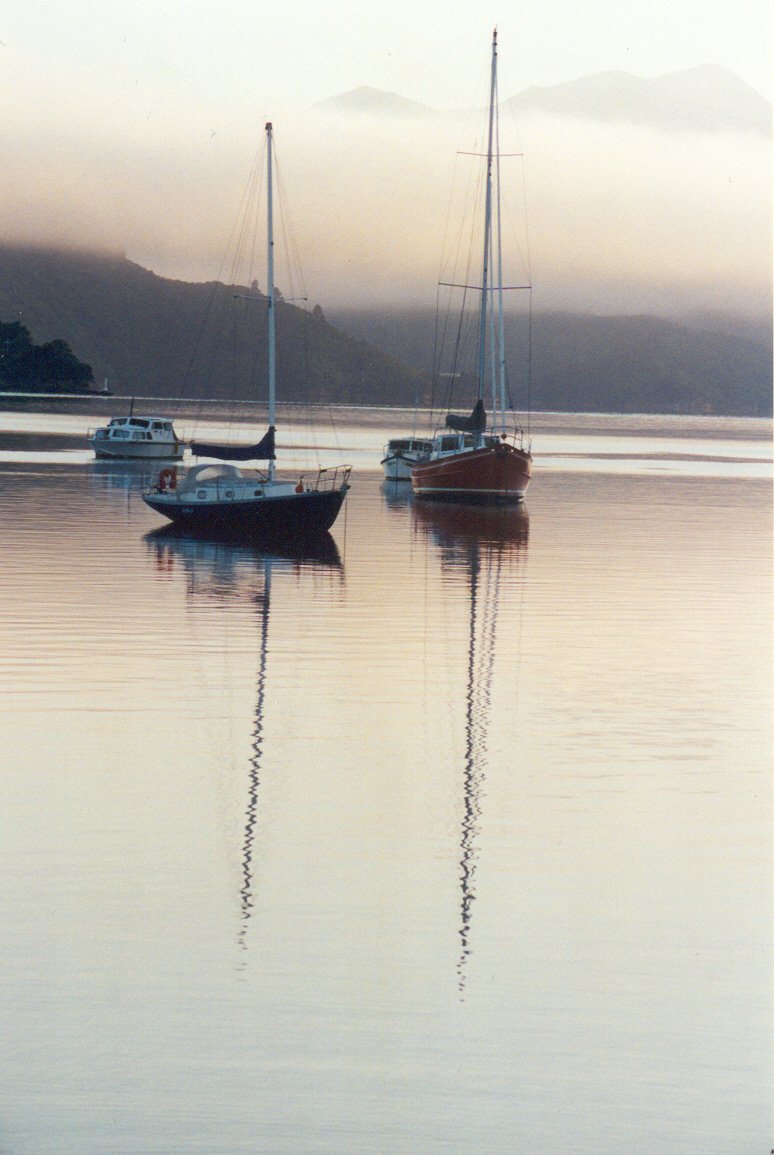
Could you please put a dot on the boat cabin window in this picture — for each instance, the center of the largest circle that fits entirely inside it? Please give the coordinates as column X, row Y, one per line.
column 451, row 442
column 448, row 444
column 136, row 423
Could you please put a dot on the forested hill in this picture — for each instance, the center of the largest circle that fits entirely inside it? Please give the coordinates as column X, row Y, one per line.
column 718, row 364
column 147, row 336
column 161, row 338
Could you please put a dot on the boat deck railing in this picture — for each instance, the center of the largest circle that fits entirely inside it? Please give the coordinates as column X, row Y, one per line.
column 516, row 437
column 328, row 478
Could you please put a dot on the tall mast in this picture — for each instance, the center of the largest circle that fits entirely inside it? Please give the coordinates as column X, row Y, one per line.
column 487, row 223
column 270, row 278
column 500, row 344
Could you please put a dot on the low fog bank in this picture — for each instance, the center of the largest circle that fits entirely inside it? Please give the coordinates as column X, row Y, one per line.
column 611, row 218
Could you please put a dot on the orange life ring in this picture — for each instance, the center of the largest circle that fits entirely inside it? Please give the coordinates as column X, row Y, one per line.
column 167, row 479
column 300, row 487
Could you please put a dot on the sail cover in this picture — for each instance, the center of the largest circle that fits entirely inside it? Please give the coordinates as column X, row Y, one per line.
column 475, row 423
column 262, row 451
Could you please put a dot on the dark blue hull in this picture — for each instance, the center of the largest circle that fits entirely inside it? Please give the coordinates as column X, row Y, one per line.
column 297, row 513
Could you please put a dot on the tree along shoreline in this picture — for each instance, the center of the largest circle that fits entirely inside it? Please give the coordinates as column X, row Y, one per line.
column 50, row 368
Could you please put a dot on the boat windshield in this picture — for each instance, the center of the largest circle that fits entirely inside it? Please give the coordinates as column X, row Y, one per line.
column 140, row 423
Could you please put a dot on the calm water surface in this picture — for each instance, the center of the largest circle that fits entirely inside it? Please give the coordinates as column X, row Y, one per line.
column 452, row 836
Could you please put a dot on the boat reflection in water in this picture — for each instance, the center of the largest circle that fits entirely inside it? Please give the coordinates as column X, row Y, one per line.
column 397, row 495
column 242, row 550
column 224, row 571
column 488, row 544
column 106, row 475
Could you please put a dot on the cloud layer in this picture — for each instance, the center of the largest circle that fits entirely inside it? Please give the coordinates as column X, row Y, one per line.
column 602, row 216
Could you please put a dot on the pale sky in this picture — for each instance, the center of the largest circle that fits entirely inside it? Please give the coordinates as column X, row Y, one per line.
column 133, row 125
column 216, row 56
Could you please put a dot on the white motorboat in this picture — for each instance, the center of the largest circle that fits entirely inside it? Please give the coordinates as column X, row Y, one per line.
column 137, row 437
column 401, row 453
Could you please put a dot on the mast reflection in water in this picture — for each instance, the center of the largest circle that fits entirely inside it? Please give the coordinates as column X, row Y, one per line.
column 234, row 569
column 486, row 543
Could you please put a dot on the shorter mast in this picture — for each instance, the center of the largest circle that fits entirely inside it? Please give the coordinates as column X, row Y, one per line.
column 264, row 450
column 270, row 278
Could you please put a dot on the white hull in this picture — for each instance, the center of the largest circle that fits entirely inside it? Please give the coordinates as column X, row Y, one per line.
column 137, row 438
column 397, row 468
column 155, row 451
column 401, row 455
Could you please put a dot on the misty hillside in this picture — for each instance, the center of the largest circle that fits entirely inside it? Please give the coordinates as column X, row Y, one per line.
column 162, row 338
column 642, row 364
column 154, row 337
column 707, row 98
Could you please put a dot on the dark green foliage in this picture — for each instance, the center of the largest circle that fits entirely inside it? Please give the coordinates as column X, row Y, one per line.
column 48, row 368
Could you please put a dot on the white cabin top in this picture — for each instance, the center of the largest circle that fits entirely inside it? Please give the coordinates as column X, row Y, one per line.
column 455, row 442
column 140, row 423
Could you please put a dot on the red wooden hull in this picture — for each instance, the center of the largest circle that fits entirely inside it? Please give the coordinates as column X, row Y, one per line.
column 498, row 473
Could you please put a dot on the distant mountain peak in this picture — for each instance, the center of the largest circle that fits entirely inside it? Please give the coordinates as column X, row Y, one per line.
column 703, row 98
column 374, row 102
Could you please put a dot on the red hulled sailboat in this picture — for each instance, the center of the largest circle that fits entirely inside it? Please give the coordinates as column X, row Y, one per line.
column 466, row 461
